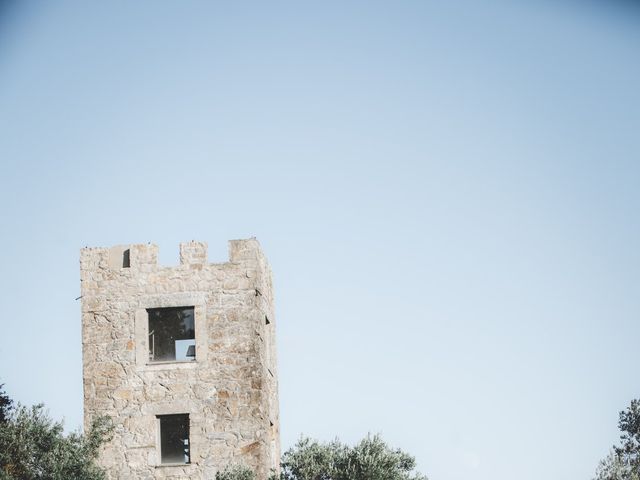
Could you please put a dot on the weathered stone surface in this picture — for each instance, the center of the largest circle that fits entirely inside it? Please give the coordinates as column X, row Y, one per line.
column 230, row 391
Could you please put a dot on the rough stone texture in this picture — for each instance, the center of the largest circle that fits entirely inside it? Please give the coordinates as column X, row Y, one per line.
column 230, row 391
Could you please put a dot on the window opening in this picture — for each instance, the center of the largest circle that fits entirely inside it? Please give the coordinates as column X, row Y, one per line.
column 171, row 334
column 126, row 258
column 174, row 438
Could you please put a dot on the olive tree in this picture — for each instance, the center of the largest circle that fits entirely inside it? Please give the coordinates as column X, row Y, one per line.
column 35, row 447
column 369, row 459
column 623, row 462
column 236, row 472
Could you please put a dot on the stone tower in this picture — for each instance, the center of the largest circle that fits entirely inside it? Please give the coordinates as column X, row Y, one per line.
column 182, row 358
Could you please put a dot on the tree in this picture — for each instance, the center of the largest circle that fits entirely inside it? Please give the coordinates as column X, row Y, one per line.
column 613, row 468
column 629, row 425
column 370, row 459
column 6, row 405
column 236, row 472
column 623, row 463
column 34, row 447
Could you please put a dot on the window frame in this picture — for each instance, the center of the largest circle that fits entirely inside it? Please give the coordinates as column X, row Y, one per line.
column 141, row 320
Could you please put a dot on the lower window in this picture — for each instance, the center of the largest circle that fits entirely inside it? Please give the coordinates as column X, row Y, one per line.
column 174, row 438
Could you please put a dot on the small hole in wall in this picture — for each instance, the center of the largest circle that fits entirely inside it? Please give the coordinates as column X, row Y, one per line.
column 266, row 320
column 126, row 258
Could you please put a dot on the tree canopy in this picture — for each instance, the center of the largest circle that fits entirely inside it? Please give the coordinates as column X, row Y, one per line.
column 369, row 459
column 5, row 405
column 35, row 447
column 236, row 472
column 623, row 462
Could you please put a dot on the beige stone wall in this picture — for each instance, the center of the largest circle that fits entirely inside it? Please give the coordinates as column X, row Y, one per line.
column 230, row 391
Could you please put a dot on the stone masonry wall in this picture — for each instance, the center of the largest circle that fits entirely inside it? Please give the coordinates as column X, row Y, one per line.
column 230, row 391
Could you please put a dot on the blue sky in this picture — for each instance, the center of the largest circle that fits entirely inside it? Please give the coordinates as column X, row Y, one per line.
column 447, row 192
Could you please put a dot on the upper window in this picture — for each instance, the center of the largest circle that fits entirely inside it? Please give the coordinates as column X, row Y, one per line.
column 174, row 438
column 171, row 334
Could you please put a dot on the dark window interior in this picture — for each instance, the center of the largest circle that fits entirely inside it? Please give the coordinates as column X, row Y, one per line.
column 174, row 438
column 171, row 334
column 126, row 258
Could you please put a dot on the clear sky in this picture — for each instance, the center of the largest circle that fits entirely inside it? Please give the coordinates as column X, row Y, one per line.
column 448, row 193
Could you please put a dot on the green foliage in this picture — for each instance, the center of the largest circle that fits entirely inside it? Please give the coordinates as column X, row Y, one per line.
column 614, row 468
column 236, row 472
column 34, row 447
column 623, row 463
column 310, row 460
column 370, row 459
column 6, row 404
column 629, row 425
